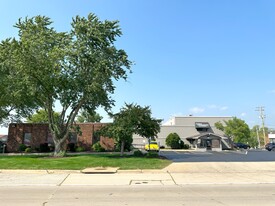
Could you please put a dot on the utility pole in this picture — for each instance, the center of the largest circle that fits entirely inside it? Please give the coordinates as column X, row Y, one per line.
column 258, row 138
column 262, row 116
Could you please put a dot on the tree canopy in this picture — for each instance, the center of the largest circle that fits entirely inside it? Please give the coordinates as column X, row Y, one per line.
column 257, row 133
column 41, row 116
column 132, row 119
column 76, row 69
column 236, row 129
column 88, row 116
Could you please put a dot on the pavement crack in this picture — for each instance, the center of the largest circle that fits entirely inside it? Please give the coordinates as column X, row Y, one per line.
column 50, row 197
column 63, row 180
column 172, row 178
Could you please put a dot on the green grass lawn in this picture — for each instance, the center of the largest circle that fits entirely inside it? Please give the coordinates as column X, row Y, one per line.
column 79, row 162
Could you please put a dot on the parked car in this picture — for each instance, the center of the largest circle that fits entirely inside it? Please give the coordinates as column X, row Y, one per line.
column 270, row 146
column 240, row 145
column 153, row 146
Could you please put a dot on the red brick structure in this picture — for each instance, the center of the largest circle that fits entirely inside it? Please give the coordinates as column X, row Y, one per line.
column 32, row 134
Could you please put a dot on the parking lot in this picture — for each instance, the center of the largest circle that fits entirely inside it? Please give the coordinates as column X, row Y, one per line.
column 251, row 155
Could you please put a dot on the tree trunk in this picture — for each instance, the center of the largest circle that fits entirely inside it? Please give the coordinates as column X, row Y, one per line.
column 60, row 148
column 122, row 147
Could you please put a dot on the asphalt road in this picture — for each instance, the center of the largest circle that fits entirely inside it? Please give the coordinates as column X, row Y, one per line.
column 200, row 195
column 223, row 156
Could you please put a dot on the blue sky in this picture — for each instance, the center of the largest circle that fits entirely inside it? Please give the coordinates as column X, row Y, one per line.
column 199, row 57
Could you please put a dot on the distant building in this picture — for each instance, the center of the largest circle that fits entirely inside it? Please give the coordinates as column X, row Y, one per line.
column 3, row 138
column 198, row 132
column 271, row 137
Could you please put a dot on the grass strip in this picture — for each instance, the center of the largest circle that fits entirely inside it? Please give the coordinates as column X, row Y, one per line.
column 79, row 162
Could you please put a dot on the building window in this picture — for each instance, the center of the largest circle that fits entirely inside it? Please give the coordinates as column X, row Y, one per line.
column 27, row 139
column 50, row 138
column 73, row 137
column 202, row 129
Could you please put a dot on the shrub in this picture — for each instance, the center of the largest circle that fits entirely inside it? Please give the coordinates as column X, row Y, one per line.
column 185, row 146
column 71, row 147
column 51, row 147
column 44, row 147
column 127, row 146
column 173, row 140
column 138, row 153
column 22, row 148
column 79, row 149
column 152, row 154
column 97, row 147
column 28, row 150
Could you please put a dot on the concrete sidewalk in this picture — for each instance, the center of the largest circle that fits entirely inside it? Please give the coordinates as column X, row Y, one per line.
column 174, row 174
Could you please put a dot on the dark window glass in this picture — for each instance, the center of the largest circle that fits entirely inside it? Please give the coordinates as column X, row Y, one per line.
column 73, row 137
column 27, row 139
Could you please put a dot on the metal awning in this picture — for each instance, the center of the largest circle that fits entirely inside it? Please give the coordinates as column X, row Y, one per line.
column 202, row 125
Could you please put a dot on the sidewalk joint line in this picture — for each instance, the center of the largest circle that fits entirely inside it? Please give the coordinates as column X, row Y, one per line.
column 63, row 180
column 172, row 178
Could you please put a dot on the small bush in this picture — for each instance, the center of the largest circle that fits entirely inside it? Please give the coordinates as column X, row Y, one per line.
column 152, row 154
column 71, row 147
column 44, row 147
column 97, row 147
column 138, row 153
column 173, row 140
column 185, row 146
column 28, row 150
column 80, row 149
column 22, row 148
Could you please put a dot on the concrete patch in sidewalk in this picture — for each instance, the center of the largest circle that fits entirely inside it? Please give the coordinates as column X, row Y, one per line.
column 100, row 170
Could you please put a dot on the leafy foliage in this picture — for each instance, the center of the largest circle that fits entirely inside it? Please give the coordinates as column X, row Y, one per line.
column 138, row 153
column 88, row 116
column 41, row 116
column 257, row 132
column 76, row 69
column 132, row 119
column 237, row 129
column 80, row 149
column 98, row 148
column 22, row 147
column 173, row 140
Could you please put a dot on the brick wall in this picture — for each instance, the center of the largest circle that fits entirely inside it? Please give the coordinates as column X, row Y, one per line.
column 40, row 133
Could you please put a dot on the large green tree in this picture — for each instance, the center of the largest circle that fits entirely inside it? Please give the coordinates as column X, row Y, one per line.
column 14, row 93
column 75, row 69
column 257, row 133
column 236, row 129
column 132, row 119
column 88, row 116
column 41, row 116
